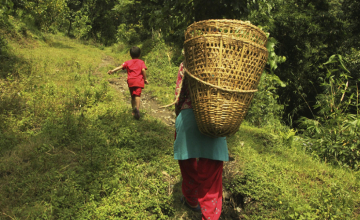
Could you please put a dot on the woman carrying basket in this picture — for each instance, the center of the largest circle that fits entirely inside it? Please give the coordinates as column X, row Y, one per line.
column 200, row 157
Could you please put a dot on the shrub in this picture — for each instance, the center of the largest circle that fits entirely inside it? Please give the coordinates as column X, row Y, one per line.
column 265, row 109
column 334, row 132
column 162, row 72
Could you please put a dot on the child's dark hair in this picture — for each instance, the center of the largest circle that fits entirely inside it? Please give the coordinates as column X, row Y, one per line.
column 135, row 52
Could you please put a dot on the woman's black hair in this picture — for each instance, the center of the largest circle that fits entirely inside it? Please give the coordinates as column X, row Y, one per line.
column 135, row 52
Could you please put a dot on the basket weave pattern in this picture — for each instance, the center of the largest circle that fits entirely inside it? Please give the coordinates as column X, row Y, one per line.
column 224, row 60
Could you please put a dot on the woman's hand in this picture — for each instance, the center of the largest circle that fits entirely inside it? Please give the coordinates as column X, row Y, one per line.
column 110, row 72
column 146, row 82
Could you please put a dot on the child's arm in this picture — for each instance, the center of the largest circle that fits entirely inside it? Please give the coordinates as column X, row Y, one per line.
column 114, row 70
column 144, row 74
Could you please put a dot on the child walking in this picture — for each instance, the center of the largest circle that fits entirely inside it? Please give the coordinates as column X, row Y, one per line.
column 136, row 78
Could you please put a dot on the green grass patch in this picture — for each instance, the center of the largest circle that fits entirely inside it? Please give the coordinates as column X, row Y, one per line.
column 279, row 182
column 79, row 153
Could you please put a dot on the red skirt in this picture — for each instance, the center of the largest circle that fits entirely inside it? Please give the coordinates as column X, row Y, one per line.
column 202, row 184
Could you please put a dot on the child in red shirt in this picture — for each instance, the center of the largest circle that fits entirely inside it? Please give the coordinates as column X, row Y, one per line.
column 136, row 71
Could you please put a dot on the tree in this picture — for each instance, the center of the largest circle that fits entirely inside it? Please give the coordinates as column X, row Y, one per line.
column 102, row 20
column 73, row 7
column 308, row 32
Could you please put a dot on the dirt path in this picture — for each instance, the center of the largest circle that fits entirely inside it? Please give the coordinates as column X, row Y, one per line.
column 231, row 206
column 149, row 105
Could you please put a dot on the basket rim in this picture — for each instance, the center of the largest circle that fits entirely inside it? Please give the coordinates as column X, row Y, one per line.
column 229, row 21
column 260, row 46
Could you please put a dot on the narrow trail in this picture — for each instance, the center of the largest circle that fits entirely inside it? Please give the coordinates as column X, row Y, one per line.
column 148, row 104
column 151, row 106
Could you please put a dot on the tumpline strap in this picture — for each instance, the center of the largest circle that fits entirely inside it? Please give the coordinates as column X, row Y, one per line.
column 206, row 83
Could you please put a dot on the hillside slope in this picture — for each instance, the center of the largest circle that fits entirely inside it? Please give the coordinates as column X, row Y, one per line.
column 70, row 148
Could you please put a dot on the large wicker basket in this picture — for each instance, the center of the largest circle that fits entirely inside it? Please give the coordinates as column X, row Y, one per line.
column 224, row 60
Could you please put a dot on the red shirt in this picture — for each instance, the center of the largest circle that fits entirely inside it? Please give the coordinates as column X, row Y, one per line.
column 135, row 77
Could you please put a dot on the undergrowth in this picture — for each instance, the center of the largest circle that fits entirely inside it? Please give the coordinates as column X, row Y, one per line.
column 333, row 132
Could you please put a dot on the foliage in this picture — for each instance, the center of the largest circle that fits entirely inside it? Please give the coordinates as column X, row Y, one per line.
column 333, row 134
column 265, row 109
column 129, row 34
column 171, row 17
column 308, row 33
column 162, row 72
column 130, row 30
column 71, row 11
column 351, row 14
column 81, row 26
column 5, row 8
column 100, row 13
column 46, row 15
column 82, row 19
column 3, row 45
column 353, row 62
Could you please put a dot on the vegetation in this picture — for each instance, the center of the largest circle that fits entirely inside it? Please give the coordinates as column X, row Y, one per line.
column 278, row 180
column 69, row 147
column 68, row 142
column 334, row 131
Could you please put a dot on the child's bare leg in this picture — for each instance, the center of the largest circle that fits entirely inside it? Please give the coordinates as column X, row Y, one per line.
column 137, row 102
column 133, row 104
column 136, row 112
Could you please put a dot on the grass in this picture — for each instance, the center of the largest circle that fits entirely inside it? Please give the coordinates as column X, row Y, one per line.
column 70, row 148
column 81, row 149
column 282, row 182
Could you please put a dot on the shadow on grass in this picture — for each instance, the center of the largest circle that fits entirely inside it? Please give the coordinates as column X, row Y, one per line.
column 78, row 162
column 96, row 166
column 12, row 65
column 258, row 139
column 59, row 45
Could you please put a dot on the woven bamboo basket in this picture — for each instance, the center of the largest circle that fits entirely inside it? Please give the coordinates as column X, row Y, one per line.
column 224, row 60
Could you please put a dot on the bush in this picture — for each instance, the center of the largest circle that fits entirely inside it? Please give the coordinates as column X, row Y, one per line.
column 3, row 42
column 265, row 109
column 162, row 72
column 334, row 133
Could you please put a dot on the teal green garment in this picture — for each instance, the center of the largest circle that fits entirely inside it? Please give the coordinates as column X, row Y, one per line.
column 191, row 143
